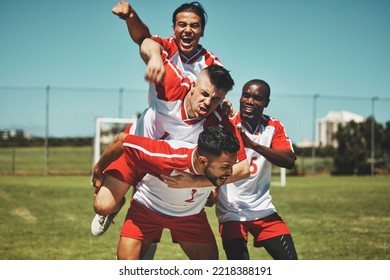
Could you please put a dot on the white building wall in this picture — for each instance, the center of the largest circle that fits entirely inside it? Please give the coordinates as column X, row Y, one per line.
column 327, row 126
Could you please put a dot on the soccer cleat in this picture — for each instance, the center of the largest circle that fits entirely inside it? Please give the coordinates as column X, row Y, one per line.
column 100, row 224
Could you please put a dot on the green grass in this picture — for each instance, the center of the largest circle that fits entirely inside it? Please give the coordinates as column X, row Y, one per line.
column 31, row 160
column 331, row 218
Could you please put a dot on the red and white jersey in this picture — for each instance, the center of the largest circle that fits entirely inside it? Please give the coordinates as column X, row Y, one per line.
column 250, row 199
column 148, row 159
column 190, row 67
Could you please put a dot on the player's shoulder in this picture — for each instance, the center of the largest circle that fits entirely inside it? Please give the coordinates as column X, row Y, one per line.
column 168, row 40
column 180, row 145
column 235, row 118
column 168, row 44
column 209, row 57
column 268, row 118
column 271, row 121
column 218, row 117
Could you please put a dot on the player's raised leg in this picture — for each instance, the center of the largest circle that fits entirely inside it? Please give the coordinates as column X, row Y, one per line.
column 108, row 201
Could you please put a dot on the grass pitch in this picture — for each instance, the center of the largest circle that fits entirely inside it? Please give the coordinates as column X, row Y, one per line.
column 331, row 218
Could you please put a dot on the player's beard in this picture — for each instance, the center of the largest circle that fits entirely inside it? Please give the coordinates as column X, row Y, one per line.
column 216, row 181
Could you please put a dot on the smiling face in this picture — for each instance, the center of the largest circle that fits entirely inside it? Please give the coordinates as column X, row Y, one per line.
column 203, row 97
column 254, row 98
column 188, row 31
column 218, row 169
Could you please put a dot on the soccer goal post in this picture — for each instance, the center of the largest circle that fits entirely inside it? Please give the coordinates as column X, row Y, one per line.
column 281, row 181
column 105, row 131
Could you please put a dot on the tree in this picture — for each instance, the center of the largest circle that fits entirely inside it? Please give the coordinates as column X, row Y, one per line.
column 354, row 146
column 386, row 137
column 351, row 152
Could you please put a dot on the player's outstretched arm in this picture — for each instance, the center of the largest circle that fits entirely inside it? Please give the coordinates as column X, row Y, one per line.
column 110, row 154
column 138, row 30
column 151, row 53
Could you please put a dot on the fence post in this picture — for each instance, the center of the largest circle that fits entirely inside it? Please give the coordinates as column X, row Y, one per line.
column 13, row 160
column 313, row 151
column 373, row 136
column 47, row 132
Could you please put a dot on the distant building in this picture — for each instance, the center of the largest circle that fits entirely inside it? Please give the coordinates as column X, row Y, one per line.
column 7, row 134
column 327, row 126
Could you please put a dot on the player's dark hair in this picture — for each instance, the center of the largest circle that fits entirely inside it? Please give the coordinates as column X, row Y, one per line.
column 260, row 83
column 194, row 7
column 220, row 77
column 215, row 140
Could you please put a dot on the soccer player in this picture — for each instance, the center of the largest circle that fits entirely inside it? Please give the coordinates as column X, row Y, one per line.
column 213, row 156
column 246, row 206
column 183, row 48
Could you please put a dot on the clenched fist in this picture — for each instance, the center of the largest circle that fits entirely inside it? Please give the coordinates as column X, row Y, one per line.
column 122, row 10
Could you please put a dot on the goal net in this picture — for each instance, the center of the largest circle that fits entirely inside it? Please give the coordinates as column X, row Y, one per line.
column 105, row 131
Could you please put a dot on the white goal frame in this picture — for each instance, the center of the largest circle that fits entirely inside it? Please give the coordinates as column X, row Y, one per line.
column 98, row 128
column 282, row 182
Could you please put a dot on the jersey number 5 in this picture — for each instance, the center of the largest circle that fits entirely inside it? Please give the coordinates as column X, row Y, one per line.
column 253, row 166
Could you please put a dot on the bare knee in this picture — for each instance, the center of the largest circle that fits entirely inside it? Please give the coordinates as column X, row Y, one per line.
column 109, row 195
column 104, row 205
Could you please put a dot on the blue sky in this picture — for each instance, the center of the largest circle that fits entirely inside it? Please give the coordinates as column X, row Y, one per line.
column 339, row 49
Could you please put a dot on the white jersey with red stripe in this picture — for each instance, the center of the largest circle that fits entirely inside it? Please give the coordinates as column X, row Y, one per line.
column 151, row 158
column 250, row 199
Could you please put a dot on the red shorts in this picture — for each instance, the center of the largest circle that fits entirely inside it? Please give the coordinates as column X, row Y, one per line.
column 261, row 229
column 143, row 223
column 121, row 170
